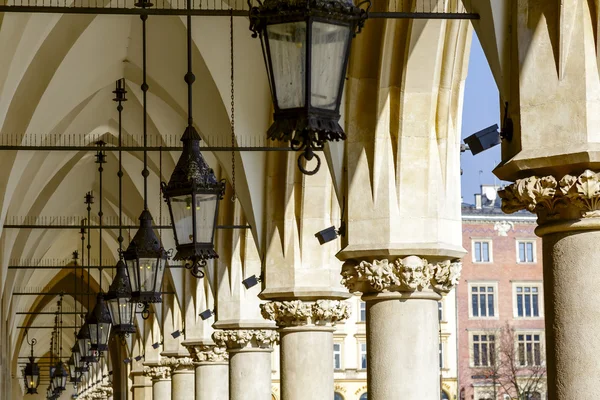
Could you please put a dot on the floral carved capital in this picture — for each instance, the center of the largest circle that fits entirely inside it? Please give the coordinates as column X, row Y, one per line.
column 246, row 338
column 208, row 353
column 300, row 313
column 571, row 197
column 157, row 372
column 178, row 363
column 408, row 274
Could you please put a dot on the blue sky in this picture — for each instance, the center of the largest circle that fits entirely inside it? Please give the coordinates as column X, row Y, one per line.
column 481, row 109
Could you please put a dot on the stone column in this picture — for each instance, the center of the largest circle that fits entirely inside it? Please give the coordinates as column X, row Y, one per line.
column 402, row 323
column 161, row 381
column 249, row 361
column 568, row 210
column 142, row 386
column 182, row 376
column 212, row 370
column 306, row 337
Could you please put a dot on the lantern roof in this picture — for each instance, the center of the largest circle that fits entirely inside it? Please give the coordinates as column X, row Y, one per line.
column 145, row 243
column 120, row 287
column 192, row 171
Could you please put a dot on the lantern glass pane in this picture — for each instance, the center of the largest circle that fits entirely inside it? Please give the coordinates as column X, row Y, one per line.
column 132, row 269
column 329, row 43
column 77, row 360
column 287, row 45
column 93, row 333
column 84, row 347
column 104, row 332
column 206, row 209
column 159, row 276
column 181, row 207
column 147, row 269
column 126, row 311
column 114, row 307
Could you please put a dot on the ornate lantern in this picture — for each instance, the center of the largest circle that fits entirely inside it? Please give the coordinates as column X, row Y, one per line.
column 31, row 373
column 99, row 325
column 59, row 377
column 146, row 261
column 193, row 196
column 85, row 344
column 73, row 374
column 306, row 47
column 193, row 192
column 118, row 298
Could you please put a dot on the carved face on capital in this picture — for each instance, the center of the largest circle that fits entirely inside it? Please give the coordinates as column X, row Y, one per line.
column 414, row 271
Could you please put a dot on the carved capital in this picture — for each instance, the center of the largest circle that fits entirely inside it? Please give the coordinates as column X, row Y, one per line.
column 208, row 353
column 571, row 197
column 301, row 313
column 246, row 338
column 408, row 274
column 157, row 372
column 178, row 363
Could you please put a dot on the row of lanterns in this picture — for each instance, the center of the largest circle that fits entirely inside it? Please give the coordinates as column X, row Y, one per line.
column 306, row 48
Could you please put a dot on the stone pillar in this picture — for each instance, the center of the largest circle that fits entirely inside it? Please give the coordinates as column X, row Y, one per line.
column 306, row 337
column 402, row 323
column 212, row 370
column 142, row 386
column 249, row 361
column 568, row 210
column 182, row 376
column 161, row 381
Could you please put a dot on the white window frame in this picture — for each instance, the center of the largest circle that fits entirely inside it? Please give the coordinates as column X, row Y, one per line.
column 490, row 250
column 537, row 284
column 359, row 308
column 532, row 332
column 494, row 284
column 472, row 342
column 533, row 249
column 339, row 342
column 360, row 353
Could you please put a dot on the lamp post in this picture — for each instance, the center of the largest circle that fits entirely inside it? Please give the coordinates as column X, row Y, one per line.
column 99, row 321
column 145, row 257
column 193, row 192
column 306, row 47
column 118, row 296
column 32, row 371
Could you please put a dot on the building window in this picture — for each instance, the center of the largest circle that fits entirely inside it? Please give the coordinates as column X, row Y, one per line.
column 484, row 350
column 363, row 396
column 337, row 396
column 337, row 356
column 441, row 351
column 529, row 349
column 482, row 251
column 440, row 311
column 363, row 355
column 362, row 312
column 527, row 301
column 483, row 301
column 526, row 251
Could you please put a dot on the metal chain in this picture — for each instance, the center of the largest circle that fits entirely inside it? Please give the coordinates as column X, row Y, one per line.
column 234, row 196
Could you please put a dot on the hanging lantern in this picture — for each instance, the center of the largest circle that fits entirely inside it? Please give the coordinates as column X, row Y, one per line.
column 31, row 373
column 146, row 260
column 306, row 47
column 59, row 377
column 119, row 302
column 32, row 376
column 193, row 195
column 99, row 325
column 84, row 341
column 73, row 372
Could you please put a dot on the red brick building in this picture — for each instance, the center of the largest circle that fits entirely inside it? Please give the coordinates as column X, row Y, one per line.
column 500, row 304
